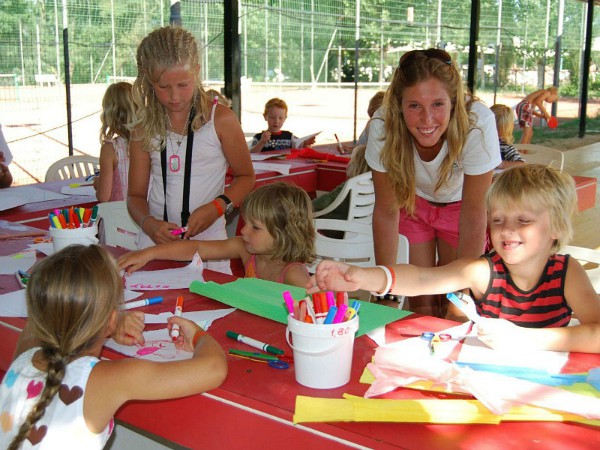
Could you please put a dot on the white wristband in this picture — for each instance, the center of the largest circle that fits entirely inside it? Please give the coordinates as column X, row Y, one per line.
column 388, row 284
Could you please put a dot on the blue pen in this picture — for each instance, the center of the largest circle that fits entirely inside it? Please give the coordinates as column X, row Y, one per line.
column 468, row 308
column 139, row 303
column 330, row 315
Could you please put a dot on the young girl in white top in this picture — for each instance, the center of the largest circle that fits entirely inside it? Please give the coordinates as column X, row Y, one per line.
column 57, row 391
column 175, row 117
column 117, row 112
column 277, row 238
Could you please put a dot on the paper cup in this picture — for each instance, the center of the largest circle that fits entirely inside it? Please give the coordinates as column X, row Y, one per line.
column 62, row 238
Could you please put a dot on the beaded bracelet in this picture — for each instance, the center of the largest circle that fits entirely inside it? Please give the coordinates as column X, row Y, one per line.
column 143, row 220
column 197, row 336
column 388, row 285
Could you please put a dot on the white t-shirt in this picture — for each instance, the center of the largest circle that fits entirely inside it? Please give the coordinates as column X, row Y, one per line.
column 4, row 148
column 481, row 153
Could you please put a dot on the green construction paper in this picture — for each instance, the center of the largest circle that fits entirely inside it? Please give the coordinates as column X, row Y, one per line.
column 263, row 298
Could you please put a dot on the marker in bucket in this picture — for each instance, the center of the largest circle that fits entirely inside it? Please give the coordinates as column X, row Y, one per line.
column 330, row 315
column 341, row 313
column 289, row 302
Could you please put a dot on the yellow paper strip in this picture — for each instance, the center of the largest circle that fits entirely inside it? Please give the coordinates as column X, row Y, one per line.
column 358, row 409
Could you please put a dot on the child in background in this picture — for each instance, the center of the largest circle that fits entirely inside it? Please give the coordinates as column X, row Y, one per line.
column 117, row 112
column 73, row 299
column 526, row 109
column 357, row 166
column 274, row 138
column 505, row 125
column 524, row 291
column 374, row 104
column 277, row 238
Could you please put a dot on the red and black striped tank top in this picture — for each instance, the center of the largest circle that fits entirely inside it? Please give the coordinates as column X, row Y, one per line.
column 543, row 306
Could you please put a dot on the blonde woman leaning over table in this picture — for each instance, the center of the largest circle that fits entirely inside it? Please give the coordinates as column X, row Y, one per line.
column 432, row 149
column 524, row 293
column 174, row 112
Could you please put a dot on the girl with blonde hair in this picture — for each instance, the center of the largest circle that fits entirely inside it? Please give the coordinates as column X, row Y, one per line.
column 277, row 239
column 432, row 149
column 178, row 123
column 117, row 113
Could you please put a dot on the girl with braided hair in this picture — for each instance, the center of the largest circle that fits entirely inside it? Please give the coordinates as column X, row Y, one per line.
column 57, row 393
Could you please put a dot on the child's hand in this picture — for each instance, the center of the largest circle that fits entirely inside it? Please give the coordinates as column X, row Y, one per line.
column 265, row 137
column 130, row 327
column 187, row 331
column 500, row 334
column 333, row 276
column 130, row 262
column 310, row 141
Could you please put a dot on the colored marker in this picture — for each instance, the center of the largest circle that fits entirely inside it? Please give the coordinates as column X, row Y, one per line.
column 329, row 295
column 330, row 315
column 178, row 312
column 94, row 215
column 139, row 303
column 341, row 313
column 179, row 231
column 464, row 305
column 92, row 176
column 54, row 221
column 254, row 343
column 22, row 278
column 289, row 302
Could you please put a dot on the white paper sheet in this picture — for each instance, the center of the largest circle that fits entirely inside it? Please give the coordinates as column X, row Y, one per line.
column 298, row 142
column 264, row 156
column 13, row 304
column 19, row 261
column 23, row 195
column 159, row 346
column 47, row 248
column 272, row 167
column 78, row 190
column 180, row 278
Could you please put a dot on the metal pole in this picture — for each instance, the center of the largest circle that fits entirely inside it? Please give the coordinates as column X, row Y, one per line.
column 112, row 28
column 175, row 19
column 67, row 76
column 586, row 68
column 356, row 44
column 473, row 42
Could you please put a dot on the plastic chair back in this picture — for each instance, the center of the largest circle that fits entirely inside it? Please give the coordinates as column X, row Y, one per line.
column 540, row 154
column 79, row 166
column 362, row 199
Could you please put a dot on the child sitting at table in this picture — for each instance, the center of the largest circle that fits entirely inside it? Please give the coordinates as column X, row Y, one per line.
column 505, row 125
column 117, row 112
column 524, row 290
column 57, row 393
column 274, row 138
column 277, row 238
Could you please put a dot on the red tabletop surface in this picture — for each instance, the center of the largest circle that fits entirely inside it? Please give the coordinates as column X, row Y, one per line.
column 254, row 406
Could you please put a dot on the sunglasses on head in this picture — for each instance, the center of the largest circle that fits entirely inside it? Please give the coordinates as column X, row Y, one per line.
column 434, row 53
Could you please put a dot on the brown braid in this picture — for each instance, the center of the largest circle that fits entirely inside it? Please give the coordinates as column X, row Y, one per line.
column 57, row 365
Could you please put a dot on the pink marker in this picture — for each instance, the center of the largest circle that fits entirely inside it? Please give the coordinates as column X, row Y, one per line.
column 330, row 299
column 289, row 302
column 341, row 313
column 179, row 231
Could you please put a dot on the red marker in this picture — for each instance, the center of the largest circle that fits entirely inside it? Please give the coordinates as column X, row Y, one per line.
column 178, row 312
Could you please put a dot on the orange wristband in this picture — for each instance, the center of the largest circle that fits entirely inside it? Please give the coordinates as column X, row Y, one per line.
column 197, row 336
column 393, row 285
column 217, row 205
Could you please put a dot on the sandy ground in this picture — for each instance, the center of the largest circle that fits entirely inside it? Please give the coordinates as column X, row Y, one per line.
column 34, row 119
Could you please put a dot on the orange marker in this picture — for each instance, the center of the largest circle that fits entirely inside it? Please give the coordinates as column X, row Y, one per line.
column 178, row 312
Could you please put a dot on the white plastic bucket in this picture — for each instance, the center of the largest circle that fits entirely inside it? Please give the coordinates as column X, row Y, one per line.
column 62, row 238
column 322, row 353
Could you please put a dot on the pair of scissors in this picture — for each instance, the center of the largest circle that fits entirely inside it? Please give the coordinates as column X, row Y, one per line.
column 434, row 338
column 276, row 362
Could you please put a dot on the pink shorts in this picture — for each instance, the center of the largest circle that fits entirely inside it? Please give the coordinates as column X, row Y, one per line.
column 431, row 222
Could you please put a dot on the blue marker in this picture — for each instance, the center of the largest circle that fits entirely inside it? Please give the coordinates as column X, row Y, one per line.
column 139, row 303
column 466, row 306
column 330, row 315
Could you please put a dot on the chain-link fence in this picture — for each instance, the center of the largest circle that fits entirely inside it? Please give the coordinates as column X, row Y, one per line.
column 285, row 46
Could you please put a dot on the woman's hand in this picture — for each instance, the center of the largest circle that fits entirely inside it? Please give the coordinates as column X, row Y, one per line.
column 200, row 219
column 159, row 230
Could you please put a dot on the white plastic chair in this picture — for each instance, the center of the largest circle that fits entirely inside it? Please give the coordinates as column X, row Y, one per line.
column 355, row 248
column 116, row 227
column 72, row 167
column 362, row 199
column 540, row 154
column 589, row 258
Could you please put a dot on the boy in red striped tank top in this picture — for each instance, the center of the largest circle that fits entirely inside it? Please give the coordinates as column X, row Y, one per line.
column 524, row 291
